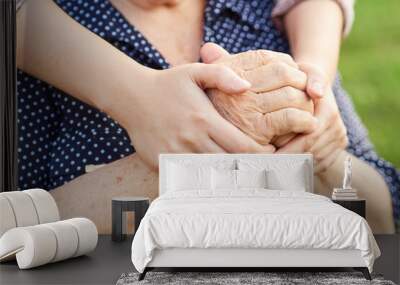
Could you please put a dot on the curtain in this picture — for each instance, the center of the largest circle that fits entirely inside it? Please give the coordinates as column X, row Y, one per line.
column 8, row 100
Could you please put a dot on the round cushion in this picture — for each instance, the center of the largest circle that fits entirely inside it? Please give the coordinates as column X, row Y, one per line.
column 87, row 234
column 33, row 245
column 7, row 220
column 67, row 239
column 45, row 205
column 23, row 208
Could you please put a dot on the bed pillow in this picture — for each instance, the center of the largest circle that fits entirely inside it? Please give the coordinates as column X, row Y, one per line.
column 183, row 177
column 251, row 178
column 293, row 180
column 223, row 179
column 287, row 174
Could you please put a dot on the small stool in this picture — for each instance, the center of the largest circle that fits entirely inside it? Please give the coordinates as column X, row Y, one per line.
column 139, row 205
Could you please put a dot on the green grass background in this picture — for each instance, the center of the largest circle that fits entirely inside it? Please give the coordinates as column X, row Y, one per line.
column 370, row 66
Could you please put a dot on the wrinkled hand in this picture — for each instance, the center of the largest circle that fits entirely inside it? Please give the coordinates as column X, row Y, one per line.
column 275, row 107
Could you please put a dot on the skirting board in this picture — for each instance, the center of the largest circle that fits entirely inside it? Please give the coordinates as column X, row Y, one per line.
column 233, row 257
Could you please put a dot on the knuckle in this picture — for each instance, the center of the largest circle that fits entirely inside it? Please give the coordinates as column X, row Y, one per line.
column 318, row 157
column 187, row 137
column 323, row 168
column 334, row 117
column 269, row 123
column 200, row 120
column 262, row 55
column 309, row 142
column 289, row 115
column 290, row 93
column 281, row 71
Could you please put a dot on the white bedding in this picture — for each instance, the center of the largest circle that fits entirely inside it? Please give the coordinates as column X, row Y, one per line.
column 250, row 218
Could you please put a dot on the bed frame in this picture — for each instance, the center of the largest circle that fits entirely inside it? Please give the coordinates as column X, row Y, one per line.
column 250, row 259
column 238, row 259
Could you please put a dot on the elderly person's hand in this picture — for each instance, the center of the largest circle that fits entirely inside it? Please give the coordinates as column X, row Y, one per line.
column 276, row 106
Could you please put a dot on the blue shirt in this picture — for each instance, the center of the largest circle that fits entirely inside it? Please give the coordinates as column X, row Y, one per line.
column 59, row 134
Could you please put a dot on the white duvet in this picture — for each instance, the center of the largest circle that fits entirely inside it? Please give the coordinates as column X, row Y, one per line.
column 250, row 219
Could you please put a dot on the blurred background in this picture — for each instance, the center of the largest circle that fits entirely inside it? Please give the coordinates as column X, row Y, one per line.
column 370, row 66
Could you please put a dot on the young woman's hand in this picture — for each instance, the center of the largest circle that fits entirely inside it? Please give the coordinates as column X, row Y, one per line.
column 328, row 140
column 170, row 113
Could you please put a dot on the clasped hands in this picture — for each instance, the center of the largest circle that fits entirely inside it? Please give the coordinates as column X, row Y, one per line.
column 253, row 102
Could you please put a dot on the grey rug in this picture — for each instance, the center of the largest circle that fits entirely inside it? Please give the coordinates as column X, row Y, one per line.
column 243, row 278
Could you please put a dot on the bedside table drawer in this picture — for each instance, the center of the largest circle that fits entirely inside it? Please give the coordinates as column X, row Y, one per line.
column 357, row 206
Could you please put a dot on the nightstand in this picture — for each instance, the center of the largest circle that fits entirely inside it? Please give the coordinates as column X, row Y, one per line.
column 139, row 205
column 357, row 206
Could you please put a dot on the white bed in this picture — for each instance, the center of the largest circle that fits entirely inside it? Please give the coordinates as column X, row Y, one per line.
column 193, row 224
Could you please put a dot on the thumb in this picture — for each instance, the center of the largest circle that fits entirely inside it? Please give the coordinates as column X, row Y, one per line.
column 219, row 77
column 211, row 52
column 317, row 82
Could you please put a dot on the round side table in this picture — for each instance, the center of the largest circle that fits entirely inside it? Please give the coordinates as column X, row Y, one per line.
column 139, row 205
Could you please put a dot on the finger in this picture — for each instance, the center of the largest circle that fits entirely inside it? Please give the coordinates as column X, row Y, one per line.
column 337, row 132
column 256, row 58
column 232, row 140
column 217, row 76
column 300, row 144
column 287, row 121
column 340, row 143
column 210, row 146
column 211, row 52
column 280, row 141
column 324, row 165
column 286, row 97
column 189, row 141
column 317, row 82
column 275, row 76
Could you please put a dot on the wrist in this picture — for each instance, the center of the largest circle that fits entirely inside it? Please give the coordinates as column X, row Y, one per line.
column 327, row 68
column 125, row 87
column 315, row 37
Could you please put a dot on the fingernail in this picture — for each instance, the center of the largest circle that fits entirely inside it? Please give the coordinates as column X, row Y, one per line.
column 318, row 88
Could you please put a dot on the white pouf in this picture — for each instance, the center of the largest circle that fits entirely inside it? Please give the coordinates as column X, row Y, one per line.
column 31, row 232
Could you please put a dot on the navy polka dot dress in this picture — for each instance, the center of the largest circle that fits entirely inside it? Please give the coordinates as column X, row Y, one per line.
column 59, row 135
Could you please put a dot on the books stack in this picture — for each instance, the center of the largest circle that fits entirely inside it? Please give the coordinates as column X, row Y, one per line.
column 344, row 194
